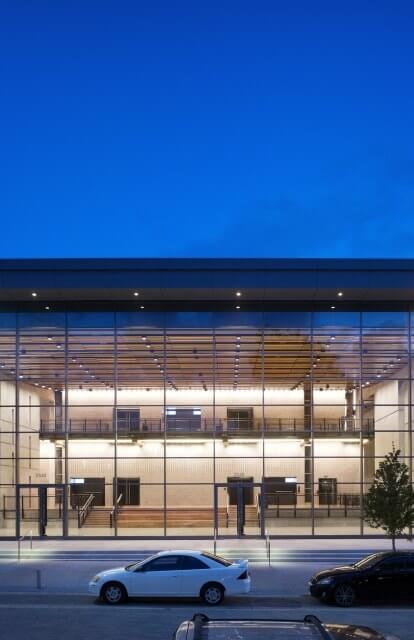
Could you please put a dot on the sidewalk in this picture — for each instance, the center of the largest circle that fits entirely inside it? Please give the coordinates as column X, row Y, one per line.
column 315, row 544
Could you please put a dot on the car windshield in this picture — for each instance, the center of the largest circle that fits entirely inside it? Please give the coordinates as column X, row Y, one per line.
column 135, row 565
column 218, row 559
column 369, row 561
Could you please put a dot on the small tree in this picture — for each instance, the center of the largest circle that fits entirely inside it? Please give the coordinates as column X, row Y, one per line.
column 390, row 500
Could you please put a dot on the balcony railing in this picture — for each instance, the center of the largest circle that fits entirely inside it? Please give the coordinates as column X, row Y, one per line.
column 271, row 427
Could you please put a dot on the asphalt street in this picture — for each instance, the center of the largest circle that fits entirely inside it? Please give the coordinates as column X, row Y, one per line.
column 44, row 596
column 47, row 617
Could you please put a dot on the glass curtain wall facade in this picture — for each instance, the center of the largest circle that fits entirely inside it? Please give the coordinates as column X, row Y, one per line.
column 187, row 423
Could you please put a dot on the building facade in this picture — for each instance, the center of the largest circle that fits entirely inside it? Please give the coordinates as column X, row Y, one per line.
column 156, row 398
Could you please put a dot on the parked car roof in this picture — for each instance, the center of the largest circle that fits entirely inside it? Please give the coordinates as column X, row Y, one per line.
column 200, row 627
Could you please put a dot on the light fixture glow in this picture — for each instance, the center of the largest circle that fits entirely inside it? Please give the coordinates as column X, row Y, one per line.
column 136, row 293
column 340, row 294
column 34, row 294
column 238, row 294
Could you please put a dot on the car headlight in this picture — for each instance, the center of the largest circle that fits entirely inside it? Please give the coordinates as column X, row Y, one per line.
column 325, row 581
column 95, row 579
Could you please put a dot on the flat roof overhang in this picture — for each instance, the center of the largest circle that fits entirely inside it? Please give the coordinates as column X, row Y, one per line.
column 203, row 279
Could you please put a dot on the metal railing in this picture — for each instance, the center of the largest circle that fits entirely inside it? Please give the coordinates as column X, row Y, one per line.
column 219, row 427
column 85, row 510
column 114, row 511
column 29, row 507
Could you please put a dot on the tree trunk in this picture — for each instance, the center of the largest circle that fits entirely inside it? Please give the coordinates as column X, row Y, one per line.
column 393, row 543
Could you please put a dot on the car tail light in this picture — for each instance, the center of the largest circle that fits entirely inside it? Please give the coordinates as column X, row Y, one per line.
column 243, row 576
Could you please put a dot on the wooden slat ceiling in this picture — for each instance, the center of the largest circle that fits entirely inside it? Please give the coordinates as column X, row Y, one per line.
column 198, row 359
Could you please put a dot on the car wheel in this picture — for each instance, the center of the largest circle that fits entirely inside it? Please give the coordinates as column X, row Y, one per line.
column 113, row 593
column 344, row 595
column 212, row 593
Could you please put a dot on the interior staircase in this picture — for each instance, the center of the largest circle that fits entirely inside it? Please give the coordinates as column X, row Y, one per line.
column 251, row 519
column 98, row 517
column 153, row 517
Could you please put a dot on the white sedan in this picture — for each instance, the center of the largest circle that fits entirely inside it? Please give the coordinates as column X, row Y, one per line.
column 174, row 574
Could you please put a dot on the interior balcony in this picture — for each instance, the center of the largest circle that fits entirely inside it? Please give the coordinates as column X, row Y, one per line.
column 343, row 428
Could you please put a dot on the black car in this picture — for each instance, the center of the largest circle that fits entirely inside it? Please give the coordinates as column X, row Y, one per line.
column 310, row 627
column 379, row 576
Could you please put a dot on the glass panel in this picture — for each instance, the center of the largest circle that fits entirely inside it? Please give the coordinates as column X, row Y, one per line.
column 7, row 422
column 90, row 423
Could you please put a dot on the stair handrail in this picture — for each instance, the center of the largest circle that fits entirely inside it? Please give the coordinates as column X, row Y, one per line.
column 85, row 510
column 258, row 509
column 227, row 510
column 114, row 511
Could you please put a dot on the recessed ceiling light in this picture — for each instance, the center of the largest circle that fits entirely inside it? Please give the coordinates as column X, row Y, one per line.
column 136, row 293
column 49, row 338
column 238, row 294
column 142, row 307
column 34, row 294
column 333, row 307
column 47, row 308
column 144, row 338
column 340, row 294
column 238, row 306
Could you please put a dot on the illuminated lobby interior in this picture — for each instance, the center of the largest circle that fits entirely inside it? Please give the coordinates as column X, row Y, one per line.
column 184, row 409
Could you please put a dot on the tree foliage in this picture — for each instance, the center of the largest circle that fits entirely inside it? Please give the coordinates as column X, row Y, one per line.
column 389, row 504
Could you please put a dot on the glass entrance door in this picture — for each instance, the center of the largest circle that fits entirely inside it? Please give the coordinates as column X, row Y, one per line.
column 41, row 508
column 237, row 509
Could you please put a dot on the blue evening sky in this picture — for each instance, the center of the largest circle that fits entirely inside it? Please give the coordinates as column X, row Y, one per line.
column 194, row 128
